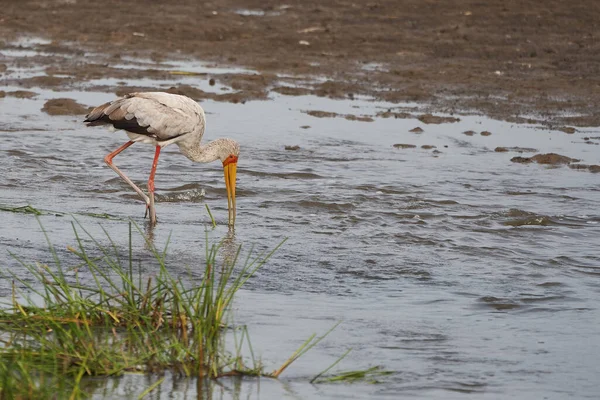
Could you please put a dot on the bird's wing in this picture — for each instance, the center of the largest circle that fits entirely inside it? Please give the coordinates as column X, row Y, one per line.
column 162, row 116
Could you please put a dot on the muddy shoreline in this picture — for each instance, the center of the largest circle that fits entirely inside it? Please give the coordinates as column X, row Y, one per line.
column 534, row 61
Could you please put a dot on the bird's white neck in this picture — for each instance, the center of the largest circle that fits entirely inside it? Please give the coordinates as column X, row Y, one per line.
column 202, row 153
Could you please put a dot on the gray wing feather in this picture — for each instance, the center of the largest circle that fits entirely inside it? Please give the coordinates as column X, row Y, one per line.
column 160, row 115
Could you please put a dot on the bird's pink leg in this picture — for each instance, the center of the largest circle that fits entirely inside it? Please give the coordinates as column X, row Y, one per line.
column 108, row 160
column 151, row 185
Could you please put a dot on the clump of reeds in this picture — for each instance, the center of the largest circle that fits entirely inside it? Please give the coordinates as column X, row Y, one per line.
column 57, row 325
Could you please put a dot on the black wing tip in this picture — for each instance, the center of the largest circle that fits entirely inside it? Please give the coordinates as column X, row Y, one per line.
column 94, row 123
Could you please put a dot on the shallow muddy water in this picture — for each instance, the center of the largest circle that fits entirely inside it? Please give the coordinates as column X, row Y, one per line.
column 462, row 272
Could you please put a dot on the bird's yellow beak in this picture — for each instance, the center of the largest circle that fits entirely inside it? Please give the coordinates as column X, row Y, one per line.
column 230, row 169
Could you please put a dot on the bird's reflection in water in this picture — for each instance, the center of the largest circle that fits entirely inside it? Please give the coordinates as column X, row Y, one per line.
column 149, row 235
column 229, row 247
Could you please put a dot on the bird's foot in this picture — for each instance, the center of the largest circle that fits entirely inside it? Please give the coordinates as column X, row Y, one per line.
column 148, row 205
column 151, row 209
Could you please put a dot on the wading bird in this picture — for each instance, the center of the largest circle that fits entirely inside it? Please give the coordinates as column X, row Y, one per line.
column 161, row 119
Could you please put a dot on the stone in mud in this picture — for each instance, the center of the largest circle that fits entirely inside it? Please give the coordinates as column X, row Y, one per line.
column 321, row 114
column 64, row 106
column 549, row 159
column 486, row 133
column 417, row 130
column 305, row 126
column 22, row 94
column 292, row 148
column 515, row 149
column 428, row 147
column 211, row 82
column 469, row 133
column 567, row 129
column 404, row 146
column 434, row 119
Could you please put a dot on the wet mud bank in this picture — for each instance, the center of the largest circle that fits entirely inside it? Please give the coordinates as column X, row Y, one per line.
column 520, row 61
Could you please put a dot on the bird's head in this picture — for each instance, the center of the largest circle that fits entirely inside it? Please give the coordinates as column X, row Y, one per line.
column 228, row 154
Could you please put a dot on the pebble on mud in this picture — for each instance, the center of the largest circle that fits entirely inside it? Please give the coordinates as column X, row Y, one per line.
column 417, row 130
column 305, row 126
column 428, row 147
column 567, row 129
column 211, row 82
column 434, row 119
column 549, row 158
column 292, row 148
column 469, row 133
column 64, row 106
column 404, row 146
column 486, row 133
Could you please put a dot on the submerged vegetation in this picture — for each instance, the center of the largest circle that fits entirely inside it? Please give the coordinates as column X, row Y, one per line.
column 104, row 317
column 29, row 209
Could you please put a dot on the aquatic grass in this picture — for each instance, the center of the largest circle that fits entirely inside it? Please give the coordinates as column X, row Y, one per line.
column 102, row 317
column 212, row 219
column 29, row 209
column 369, row 375
column 336, row 362
column 311, row 342
column 19, row 381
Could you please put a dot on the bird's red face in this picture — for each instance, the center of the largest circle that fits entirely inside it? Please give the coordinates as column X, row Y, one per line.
column 230, row 169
